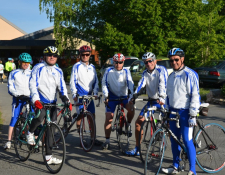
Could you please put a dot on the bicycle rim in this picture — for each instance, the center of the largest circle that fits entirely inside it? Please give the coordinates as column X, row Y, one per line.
column 21, row 147
column 123, row 139
column 210, row 157
column 87, row 132
column 155, row 153
column 58, row 148
column 144, row 137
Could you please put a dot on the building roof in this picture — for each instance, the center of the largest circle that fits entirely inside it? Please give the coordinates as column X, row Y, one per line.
column 13, row 25
column 37, row 34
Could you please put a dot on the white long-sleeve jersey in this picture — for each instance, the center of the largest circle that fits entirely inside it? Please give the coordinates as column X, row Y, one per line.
column 183, row 90
column 83, row 79
column 155, row 83
column 116, row 83
column 18, row 83
column 44, row 82
column 1, row 68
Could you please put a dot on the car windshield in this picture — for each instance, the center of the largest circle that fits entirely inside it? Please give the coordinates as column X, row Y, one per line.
column 217, row 64
column 128, row 62
column 165, row 63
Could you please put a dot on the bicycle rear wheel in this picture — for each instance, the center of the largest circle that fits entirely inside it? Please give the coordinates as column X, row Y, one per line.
column 87, row 131
column 155, row 152
column 122, row 133
column 20, row 142
column 58, row 149
column 210, row 144
column 144, row 138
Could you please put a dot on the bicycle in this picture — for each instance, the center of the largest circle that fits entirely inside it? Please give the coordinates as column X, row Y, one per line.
column 87, row 130
column 148, row 127
column 209, row 149
column 123, row 133
column 23, row 149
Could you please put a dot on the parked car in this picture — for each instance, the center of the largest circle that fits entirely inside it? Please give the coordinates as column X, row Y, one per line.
column 212, row 73
column 138, row 67
column 109, row 62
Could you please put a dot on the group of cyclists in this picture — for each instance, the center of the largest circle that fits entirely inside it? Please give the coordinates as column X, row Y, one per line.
column 178, row 92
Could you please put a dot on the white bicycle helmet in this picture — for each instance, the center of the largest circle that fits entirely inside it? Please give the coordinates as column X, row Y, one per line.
column 118, row 57
column 148, row 55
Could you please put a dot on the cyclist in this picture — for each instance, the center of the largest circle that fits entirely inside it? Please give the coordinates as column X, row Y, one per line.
column 1, row 71
column 18, row 86
column 45, row 80
column 155, row 80
column 183, row 97
column 13, row 65
column 117, row 83
column 8, row 67
column 84, row 80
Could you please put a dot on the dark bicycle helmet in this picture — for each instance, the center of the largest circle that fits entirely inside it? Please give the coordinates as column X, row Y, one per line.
column 85, row 48
column 51, row 50
column 25, row 57
column 176, row 51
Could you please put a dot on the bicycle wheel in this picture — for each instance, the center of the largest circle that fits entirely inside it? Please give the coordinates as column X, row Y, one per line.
column 56, row 149
column 155, row 152
column 122, row 136
column 144, row 138
column 20, row 142
column 210, row 152
column 87, row 132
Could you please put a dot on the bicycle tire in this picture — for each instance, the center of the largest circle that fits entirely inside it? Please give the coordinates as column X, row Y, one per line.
column 122, row 136
column 145, row 133
column 87, row 132
column 58, row 148
column 212, row 160
column 155, row 153
column 22, row 149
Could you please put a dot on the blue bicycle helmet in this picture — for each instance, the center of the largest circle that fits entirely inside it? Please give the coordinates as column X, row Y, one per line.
column 25, row 57
column 176, row 51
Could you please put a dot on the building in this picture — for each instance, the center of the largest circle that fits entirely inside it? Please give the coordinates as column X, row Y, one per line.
column 14, row 41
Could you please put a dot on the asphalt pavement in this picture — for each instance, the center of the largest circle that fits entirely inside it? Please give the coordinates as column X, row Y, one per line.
column 97, row 161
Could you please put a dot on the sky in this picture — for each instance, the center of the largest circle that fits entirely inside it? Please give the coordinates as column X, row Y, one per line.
column 25, row 14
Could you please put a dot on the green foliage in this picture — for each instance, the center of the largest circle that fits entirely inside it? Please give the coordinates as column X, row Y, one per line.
column 136, row 26
column 203, row 92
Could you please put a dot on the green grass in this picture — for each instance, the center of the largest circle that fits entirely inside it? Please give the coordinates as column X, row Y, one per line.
column 203, row 93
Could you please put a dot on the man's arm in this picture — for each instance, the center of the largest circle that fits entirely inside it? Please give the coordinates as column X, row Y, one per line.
column 163, row 76
column 11, row 86
column 73, row 79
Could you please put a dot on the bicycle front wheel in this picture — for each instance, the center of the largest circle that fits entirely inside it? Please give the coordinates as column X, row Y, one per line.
column 210, row 144
column 87, row 131
column 57, row 150
column 122, row 133
column 155, row 152
column 144, row 138
column 20, row 142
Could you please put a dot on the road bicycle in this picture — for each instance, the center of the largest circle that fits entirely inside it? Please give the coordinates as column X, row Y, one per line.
column 23, row 149
column 148, row 127
column 123, row 133
column 87, row 128
column 208, row 139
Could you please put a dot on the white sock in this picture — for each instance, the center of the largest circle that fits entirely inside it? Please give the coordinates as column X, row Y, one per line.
column 48, row 157
column 107, row 140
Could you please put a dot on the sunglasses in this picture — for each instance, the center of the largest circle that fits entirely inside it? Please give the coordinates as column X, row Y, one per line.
column 149, row 61
column 25, row 62
column 171, row 61
column 85, row 55
column 118, row 62
column 54, row 55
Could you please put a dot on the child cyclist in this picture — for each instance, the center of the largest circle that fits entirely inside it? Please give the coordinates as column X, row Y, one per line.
column 18, row 87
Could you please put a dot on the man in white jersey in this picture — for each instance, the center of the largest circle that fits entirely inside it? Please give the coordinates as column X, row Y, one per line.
column 117, row 83
column 154, row 78
column 182, row 97
column 46, row 80
column 84, row 80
